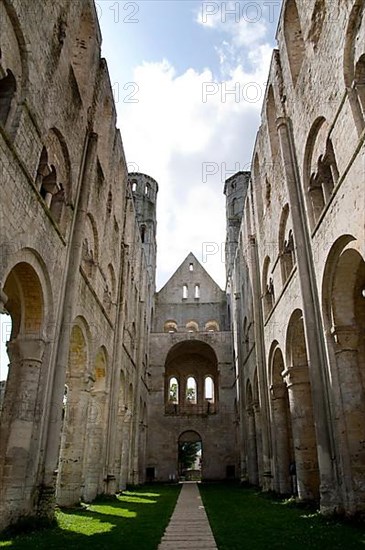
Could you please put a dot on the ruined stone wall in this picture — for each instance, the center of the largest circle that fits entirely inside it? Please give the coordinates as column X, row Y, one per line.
column 302, row 235
column 74, row 274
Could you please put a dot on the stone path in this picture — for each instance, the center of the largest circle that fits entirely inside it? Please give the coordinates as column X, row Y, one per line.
column 189, row 526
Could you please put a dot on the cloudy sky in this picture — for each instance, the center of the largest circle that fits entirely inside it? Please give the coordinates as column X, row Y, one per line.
column 188, row 80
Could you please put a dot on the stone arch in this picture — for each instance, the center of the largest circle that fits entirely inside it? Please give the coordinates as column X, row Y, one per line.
column 317, row 21
column 84, row 52
column 320, row 169
column 343, row 300
column 268, row 294
column 13, row 68
column 354, row 63
column 284, row 483
column 196, row 359
column 70, row 468
column 286, row 244
column 170, row 326
column 295, row 46
column 271, row 123
column 192, row 326
column 53, row 176
column 25, row 299
column 297, row 380
column 257, row 185
column 90, row 247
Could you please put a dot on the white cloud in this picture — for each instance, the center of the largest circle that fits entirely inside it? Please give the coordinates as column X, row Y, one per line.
column 171, row 133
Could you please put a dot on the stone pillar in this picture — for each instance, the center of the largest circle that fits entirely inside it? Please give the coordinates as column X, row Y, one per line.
column 251, row 448
column 304, row 437
column 318, row 372
column 19, row 430
column 70, row 469
column 281, row 437
column 352, row 411
column 258, row 431
column 94, row 470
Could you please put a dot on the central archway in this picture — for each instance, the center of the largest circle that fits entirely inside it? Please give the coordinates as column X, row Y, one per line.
column 190, row 451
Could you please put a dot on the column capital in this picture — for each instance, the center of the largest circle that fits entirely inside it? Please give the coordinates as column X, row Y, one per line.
column 346, row 337
column 296, row 375
column 26, row 349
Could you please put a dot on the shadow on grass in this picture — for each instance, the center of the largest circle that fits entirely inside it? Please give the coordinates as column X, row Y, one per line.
column 242, row 517
column 133, row 520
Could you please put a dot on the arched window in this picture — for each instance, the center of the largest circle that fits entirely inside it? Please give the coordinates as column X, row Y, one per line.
column 170, row 326
column 197, row 292
column 268, row 295
column 109, row 203
column 212, row 326
column 294, row 39
column 191, row 267
column 7, row 92
column 134, row 186
column 143, row 234
column 191, row 391
column 173, row 391
column 192, row 326
column 209, row 389
column 147, row 190
column 271, row 123
column 286, row 245
column 185, row 292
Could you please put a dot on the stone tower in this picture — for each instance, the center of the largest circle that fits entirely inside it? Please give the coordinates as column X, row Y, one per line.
column 144, row 191
column 235, row 190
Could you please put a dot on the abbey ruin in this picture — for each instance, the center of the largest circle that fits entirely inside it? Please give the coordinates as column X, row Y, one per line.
column 107, row 377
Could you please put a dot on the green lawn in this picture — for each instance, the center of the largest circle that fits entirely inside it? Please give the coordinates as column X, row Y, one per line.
column 243, row 518
column 135, row 520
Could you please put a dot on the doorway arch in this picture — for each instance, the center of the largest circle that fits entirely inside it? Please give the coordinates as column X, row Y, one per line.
column 190, row 454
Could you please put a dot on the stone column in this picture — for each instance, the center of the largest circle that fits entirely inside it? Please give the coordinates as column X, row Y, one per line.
column 70, row 469
column 318, row 372
column 282, row 483
column 94, row 463
column 353, row 412
column 251, row 448
column 304, row 437
column 258, row 430
column 19, row 429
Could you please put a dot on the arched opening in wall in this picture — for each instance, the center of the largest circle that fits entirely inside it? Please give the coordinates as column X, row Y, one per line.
column 170, row 326
column 209, row 389
column 192, row 326
column 191, row 396
column 286, row 245
column 191, row 362
column 252, row 459
column 295, row 47
column 23, row 299
column 344, row 308
column 143, row 233
column 212, row 326
column 53, row 177
column 109, row 203
column 301, row 409
column 360, row 81
column 173, row 391
column 7, row 94
column 257, row 185
column 5, row 331
column 134, row 185
column 96, row 429
column 190, row 455
column 284, row 461
column 268, row 295
column 70, row 467
column 320, row 169
column 271, row 123
column 84, row 52
column 317, row 21
column 185, row 293
column 90, row 247
column 354, row 61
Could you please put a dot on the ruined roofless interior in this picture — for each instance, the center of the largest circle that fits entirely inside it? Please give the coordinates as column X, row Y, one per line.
column 107, row 377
